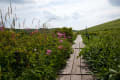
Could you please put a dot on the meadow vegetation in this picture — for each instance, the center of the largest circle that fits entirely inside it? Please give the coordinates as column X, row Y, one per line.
column 102, row 50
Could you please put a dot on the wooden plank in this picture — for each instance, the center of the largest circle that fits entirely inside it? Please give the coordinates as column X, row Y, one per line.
column 87, row 77
column 76, row 67
column 68, row 68
column 63, row 77
column 76, row 64
column 75, row 77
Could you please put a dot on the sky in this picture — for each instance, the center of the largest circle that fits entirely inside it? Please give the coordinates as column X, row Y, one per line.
column 77, row 14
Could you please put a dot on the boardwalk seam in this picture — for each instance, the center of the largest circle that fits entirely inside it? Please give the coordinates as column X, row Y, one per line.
column 73, row 63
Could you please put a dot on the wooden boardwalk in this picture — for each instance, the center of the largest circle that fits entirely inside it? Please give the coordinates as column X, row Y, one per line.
column 76, row 68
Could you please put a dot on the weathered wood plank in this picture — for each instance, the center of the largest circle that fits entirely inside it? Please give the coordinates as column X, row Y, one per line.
column 75, row 77
column 76, row 67
column 76, row 64
column 64, row 77
column 87, row 77
column 68, row 68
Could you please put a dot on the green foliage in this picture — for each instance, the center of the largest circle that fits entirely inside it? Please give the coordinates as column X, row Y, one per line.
column 102, row 50
column 24, row 55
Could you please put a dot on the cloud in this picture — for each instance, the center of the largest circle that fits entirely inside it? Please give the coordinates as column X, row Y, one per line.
column 72, row 13
column 115, row 2
column 16, row 1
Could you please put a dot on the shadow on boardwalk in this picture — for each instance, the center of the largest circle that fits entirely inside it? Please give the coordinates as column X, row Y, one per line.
column 76, row 68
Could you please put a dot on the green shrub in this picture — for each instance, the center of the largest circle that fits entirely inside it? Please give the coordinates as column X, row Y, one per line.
column 32, row 55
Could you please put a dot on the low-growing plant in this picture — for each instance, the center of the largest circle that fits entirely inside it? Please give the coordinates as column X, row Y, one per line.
column 102, row 51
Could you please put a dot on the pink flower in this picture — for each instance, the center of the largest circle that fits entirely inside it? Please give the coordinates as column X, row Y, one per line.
column 27, row 29
column 36, row 30
column 60, row 47
column 69, row 37
column 65, row 38
column 48, row 51
column 64, row 35
column 59, row 34
column 60, row 41
column 1, row 28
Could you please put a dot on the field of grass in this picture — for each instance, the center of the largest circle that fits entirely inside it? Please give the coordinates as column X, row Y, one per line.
column 102, row 51
column 32, row 55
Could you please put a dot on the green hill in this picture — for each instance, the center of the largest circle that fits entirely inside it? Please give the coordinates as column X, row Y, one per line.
column 102, row 51
column 106, row 26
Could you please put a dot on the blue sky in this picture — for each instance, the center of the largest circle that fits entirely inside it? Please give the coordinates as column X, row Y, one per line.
column 71, row 13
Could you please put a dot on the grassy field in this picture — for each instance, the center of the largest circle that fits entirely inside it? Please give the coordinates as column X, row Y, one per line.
column 32, row 55
column 102, row 51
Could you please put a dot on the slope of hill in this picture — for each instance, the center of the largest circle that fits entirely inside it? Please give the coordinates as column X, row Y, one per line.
column 102, row 51
column 106, row 26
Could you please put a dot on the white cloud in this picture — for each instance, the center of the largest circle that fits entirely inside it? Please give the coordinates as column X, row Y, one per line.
column 73, row 13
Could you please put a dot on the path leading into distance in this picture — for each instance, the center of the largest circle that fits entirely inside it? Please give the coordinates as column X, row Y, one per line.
column 76, row 68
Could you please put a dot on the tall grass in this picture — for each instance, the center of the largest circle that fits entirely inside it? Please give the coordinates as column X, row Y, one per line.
column 102, row 50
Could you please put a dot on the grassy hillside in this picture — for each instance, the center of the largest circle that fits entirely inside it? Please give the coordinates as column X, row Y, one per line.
column 106, row 26
column 102, row 51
